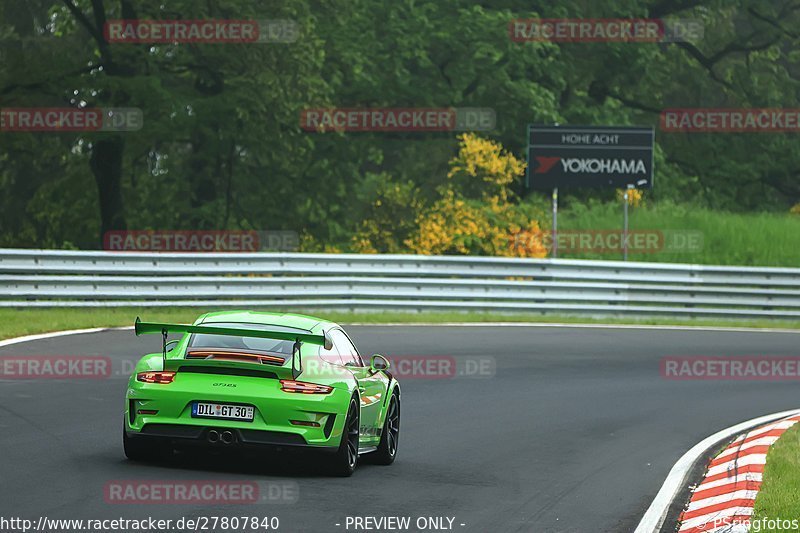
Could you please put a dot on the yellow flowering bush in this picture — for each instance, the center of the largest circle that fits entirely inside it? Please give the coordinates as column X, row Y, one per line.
column 449, row 226
column 482, row 169
column 795, row 210
column 635, row 197
column 454, row 225
column 472, row 215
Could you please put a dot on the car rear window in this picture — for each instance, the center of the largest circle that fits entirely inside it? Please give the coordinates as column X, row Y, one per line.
column 201, row 340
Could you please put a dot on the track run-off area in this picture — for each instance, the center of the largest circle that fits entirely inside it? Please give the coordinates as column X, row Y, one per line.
column 538, row 428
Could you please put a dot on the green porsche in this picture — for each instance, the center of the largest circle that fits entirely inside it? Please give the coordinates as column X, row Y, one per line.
column 262, row 380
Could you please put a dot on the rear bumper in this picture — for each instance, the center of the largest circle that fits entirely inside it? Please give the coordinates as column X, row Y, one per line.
column 202, row 436
column 280, row 419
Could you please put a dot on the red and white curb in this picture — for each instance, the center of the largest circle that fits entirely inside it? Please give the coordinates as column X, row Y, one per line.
column 724, row 500
column 678, row 477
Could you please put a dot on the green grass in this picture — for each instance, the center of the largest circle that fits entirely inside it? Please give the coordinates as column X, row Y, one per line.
column 18, row 322
column 779, row 498
column 750, row 239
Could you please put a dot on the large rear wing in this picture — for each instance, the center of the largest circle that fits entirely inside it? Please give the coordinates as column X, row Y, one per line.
column 142, row 328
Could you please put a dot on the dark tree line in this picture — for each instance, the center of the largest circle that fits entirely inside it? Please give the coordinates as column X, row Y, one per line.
column 222, row 146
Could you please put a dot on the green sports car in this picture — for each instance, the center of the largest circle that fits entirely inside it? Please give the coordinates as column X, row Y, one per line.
column 269, row 380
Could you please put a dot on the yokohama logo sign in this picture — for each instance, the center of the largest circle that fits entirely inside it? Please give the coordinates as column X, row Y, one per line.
column 590, row 156
column 591, row 166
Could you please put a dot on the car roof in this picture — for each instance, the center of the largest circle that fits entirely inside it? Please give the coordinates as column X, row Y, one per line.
column 289, row 320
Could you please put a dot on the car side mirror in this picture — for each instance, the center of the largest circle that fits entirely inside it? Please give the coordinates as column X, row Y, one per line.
column 328, row 341
column 378, row 362
column 171, row 344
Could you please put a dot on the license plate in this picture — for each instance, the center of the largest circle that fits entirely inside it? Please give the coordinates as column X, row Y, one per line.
column 221, row 410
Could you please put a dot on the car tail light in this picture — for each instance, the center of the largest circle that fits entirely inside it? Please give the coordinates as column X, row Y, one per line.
column 287, row 385
column 156, row 377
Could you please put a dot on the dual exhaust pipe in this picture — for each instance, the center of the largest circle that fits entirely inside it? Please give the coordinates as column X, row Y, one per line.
column 225, row 437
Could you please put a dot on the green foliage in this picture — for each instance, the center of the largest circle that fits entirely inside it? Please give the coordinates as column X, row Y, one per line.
column 222, row 147
column 779, row 496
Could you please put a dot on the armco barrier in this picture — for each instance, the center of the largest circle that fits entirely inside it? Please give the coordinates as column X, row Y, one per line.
column 50, row 278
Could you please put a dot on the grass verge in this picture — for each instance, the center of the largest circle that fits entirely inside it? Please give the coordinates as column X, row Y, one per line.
column 779, row 498
column 735, row 239
column 18, row 322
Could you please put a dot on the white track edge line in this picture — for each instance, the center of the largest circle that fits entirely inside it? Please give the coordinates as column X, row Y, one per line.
column 655, row 515
column 41, row 336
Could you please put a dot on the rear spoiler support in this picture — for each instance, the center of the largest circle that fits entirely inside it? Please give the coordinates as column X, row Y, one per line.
column 163, row 345
column 296, row 356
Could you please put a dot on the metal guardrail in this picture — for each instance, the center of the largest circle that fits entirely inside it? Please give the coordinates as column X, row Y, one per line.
column 51, row 278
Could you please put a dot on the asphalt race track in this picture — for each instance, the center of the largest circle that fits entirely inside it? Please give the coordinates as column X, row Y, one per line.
column 575, row 431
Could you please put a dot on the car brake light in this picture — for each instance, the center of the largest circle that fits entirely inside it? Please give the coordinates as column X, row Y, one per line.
column 156, row 377
column 287, row 385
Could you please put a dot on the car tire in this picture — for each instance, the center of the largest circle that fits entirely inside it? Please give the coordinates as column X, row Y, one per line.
column 390, row 435
column 344, row 461
column 142, row 449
